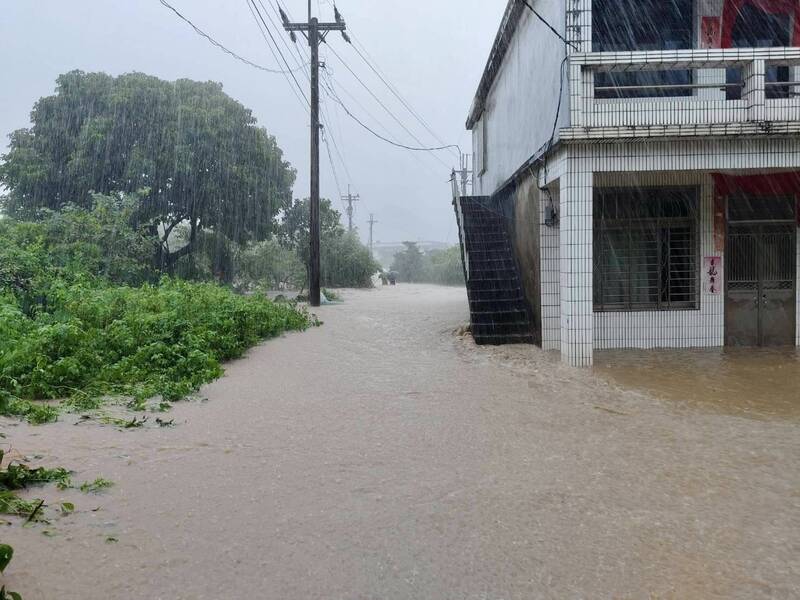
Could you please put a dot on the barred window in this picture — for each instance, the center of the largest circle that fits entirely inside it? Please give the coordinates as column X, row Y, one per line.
column 645, row 249
column 480, row 146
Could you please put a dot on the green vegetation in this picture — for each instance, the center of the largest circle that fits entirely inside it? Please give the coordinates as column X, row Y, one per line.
column 6, row 595
column 93, row 487
column 94, row 339
column 130, row 203
column 443, row 267
column 331, row 295
column 11, row 504
column 208, row 191
column 81, row 318
column 6, row 554
column 344, row 260
column 17, row 476
column 199, row 155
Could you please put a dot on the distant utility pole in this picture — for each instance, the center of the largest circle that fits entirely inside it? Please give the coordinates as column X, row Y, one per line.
column 372, row 222
column 315, row 32
column 350, row 199
column 464, row 172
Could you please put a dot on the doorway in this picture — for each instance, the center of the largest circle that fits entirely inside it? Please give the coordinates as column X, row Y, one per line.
column 761, row 272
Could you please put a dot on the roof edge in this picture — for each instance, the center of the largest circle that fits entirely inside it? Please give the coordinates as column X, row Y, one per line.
column 508, row 26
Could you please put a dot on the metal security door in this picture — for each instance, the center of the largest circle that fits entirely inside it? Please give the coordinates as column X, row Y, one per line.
column 741, row 289
column 778, row 267
column 760, row 305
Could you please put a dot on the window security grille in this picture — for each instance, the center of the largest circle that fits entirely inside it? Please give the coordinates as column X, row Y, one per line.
column 646, row 249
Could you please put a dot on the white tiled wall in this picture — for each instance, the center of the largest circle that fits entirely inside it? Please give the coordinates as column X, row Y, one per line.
column 704, row 327
column 567, row 290
column 669, row 329
column 575, row 260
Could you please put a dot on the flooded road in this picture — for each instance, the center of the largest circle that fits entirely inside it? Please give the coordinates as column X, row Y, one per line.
column 760, row 383
column 381, row 456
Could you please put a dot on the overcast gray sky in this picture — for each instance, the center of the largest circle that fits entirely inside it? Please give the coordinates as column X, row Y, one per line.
column 432, row 50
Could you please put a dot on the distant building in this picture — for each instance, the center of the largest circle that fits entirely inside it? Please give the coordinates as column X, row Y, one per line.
column 654, row 201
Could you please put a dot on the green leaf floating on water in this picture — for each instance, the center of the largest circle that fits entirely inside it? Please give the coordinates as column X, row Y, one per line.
column 4, row 595
column 6, row 552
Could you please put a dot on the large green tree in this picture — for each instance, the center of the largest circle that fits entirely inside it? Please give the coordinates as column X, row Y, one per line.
column 199, row 154
column 295, row 225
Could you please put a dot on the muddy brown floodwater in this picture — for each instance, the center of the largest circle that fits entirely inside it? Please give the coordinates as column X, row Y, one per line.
column 381, row 456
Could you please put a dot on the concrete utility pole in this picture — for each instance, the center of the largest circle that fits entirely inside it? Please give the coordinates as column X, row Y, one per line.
column 350, row 199
column 464, row 172
column 372, row 222
column 315, row 32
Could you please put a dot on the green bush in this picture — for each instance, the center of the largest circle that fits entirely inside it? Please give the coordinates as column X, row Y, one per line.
column 83, row 315
column 346, row 262
column 156, row 340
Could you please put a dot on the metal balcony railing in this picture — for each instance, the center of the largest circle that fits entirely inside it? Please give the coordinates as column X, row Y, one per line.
column 702, row 93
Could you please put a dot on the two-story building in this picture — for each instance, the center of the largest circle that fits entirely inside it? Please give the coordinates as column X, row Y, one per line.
column 643, row 157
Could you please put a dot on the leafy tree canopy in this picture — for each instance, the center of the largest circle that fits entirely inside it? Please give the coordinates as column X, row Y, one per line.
column 295, row 227
column 346, row 262
column 199, row 153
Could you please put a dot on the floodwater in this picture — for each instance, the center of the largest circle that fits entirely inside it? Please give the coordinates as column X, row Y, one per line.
column 382, row 456
column 755, row 382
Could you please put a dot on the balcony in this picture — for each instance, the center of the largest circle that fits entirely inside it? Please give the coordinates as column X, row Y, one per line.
column 707, row 103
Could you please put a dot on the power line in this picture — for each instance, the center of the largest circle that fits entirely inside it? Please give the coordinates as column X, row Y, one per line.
column 298, row 92
column 338, row 100
column 393, row 89
column 550, row 27
column 385, row 139
column 277, row 6
column 421, row 147
column 253, row 6
column 219, row 45
column 328, row 88
column 333, row 168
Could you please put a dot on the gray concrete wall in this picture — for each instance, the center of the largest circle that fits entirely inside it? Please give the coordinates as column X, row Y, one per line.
column 520, row 205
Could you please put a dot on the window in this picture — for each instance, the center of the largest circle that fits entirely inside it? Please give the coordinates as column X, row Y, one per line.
column 622, row 25
column 645, row 249
column 755, row 28
column 480, row 146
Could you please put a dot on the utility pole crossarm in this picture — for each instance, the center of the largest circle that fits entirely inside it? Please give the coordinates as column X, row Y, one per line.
column 321, row 26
